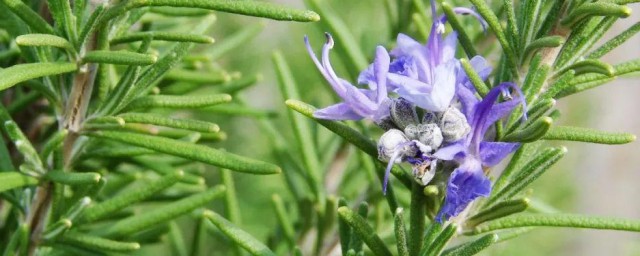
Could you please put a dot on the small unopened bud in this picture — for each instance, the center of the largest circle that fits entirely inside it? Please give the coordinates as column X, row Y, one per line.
column 403, row 113
column 430, row 118
column 454, row 125
column 394, row 142
column 386, row 123
column 427, row 134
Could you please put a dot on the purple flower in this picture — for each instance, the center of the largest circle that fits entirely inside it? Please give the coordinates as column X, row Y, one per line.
column 426, row 75
column 372, row 103
column 468, row 181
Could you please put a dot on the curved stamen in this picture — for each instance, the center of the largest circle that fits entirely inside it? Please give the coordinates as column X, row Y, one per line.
column 387, row 171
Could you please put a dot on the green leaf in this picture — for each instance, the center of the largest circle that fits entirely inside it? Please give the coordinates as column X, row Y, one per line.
column 615, row 42
column 44, row 40
column 53, row 143
column 545, row 42
column 11, row 180
column 235, row 40
column 181, row 102
column 29, row 16
column 349, row 134
column 473, row 247
column 364, row 231
column 301, row 128
column 588, row 81
column 176, row 240
column 120, row 58
column 191, row 151
column 595, row 9
column 240, row 237
column 480, row 86
column 464, row 39
column 31, row 158
column 198, row 77
column 98, row 243
column 589, row 66
column 355, row 242
column 162, row 36
column 167, row 169
column 417, row 212
column 249, row 8
column 497, row 211
column 73, row 178
column 587, row 135
column 530, row 17
column 529, row 173
column 63, row 17
column 485, row 10
column 179, row 11
column 163, row 213
column 23, row 72
column 231, row 208
column 440, row 241
column 557, row 220
column 344, row 230
column 531, row 133
column 400, row 232
column 153, row 119
column 284, row 220
column 130, row 197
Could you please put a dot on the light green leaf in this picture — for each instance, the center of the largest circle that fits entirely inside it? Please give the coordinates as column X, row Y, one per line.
column 73, row 178
column 440, row 241
column 557, row 220
column 132, row 196
column 473, row 247
column 11, row 180
column 529, row 173
column 615, row 42
column 476, row 80
column 162, row 36
column 400, row 232
column 301, row 128
column 153, row 119
column 120, row 58
column 191, row 151
column 587, row 135
column 198, row 77
column 23, row 72
column 44, row 40
column 596, row 9
column 499, row 210
column 532, row 132
column 364, row 231
column 284, row 219
column 95, row 242
column 240, row 237
column 165, row 101
column 249, row 8
column 163, row 213
column 485, row 10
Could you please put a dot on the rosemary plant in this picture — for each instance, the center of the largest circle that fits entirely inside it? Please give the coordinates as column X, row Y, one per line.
column 113, row 115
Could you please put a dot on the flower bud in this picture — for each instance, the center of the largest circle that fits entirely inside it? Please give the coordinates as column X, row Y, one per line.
column 427, row 134
column 453, row 125
column 403, row 113
column 430, row 118
column 394, row 142
column 386, row 123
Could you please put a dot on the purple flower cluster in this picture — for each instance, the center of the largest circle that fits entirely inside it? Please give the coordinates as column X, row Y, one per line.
column 454, row 126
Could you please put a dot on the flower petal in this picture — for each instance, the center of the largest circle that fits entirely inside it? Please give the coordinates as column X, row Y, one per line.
column 466, row 183
column 491, row 153
column 340, row 111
